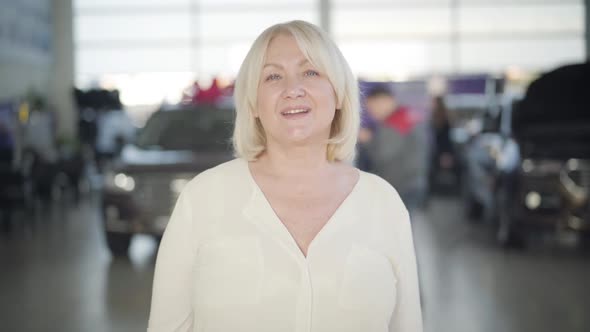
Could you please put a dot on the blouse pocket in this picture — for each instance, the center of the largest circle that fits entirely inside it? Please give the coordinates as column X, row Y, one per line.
column 229, row 272
column 369, row 284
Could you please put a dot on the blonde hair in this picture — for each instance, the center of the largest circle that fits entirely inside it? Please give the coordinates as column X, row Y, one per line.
column 249, row 139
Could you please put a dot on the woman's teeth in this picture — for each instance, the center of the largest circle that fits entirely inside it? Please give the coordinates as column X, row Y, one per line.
column 295, row 111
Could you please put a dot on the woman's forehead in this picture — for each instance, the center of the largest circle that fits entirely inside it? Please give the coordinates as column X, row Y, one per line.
column 283, row 45
column 284, row 49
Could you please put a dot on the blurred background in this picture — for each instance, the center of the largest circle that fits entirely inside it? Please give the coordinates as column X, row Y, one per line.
column 107, row 108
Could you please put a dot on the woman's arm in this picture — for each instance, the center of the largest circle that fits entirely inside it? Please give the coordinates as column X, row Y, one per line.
column 407, row 316
column 171, row 308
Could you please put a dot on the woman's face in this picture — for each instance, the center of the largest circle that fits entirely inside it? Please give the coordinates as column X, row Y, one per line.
column 296, row 101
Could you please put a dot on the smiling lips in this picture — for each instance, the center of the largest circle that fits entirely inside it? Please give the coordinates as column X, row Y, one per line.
column 292, row 111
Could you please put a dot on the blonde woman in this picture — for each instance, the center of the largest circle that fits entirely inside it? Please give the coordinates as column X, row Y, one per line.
column 289, row 236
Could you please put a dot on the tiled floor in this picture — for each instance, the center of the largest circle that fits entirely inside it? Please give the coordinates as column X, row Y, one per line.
column 57, row 275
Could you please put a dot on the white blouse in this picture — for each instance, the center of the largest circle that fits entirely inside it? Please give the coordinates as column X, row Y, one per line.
column 227, row 263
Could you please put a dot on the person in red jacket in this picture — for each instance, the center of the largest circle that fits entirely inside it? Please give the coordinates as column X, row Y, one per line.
column 395, row 144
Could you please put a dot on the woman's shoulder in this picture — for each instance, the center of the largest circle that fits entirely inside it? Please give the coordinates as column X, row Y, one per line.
column 230, row 173
column 377, row 183
column 381, row 189
column 385, row 202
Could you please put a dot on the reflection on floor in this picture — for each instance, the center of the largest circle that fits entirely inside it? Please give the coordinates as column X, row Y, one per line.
column 56, row 275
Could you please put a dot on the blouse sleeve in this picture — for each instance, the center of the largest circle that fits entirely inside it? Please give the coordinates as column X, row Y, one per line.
column 407, row 316
column 171, row 307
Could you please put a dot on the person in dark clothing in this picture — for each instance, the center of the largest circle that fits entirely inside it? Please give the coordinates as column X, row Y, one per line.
column 441, row 125
column 395, row 144
column 443, row 156
column 363, row 161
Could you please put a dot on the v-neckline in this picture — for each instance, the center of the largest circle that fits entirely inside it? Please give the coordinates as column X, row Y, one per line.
column 259, row 193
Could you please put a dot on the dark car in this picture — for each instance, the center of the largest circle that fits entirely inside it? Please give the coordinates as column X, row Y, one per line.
column 142, row 186
column 538, row 173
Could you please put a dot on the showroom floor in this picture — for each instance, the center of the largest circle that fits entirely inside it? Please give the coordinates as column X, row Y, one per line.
column 57, row 275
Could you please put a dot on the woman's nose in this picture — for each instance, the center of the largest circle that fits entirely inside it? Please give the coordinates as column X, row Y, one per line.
column 293, row 88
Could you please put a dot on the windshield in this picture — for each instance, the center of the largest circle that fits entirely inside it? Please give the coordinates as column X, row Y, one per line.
column 192, row 129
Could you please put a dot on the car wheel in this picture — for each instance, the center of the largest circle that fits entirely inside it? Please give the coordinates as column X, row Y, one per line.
column 118, row 243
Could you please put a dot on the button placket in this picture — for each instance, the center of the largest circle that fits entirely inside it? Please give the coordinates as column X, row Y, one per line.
column 304, row 305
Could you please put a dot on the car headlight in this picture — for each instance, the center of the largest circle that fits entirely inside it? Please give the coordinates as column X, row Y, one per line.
column 533, row 200
column 120, row 181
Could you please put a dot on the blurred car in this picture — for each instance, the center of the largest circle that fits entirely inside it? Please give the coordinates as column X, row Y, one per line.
column 142, row 186
column 534, row 172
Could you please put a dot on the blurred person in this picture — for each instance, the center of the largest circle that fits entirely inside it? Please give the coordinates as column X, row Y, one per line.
column 363, row 161
column 6, row 143
column 443, row 154
column 289, row 236
column 6, row 163
column 396, row 145
column 115, row 130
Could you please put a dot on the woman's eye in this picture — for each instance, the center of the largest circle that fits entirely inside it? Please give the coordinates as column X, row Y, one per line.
column 311, row 73
column 272, row 77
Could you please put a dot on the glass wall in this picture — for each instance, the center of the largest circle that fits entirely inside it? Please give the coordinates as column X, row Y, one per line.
column 420, row 37
column 161, row 45
column 153, row 49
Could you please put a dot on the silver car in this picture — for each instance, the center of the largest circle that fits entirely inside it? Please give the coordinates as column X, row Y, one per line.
column 141, row 187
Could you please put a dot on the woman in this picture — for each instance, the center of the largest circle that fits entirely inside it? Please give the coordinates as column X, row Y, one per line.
column 289, row 237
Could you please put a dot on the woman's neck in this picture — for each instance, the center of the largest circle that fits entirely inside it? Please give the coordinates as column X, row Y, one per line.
column 304, row 161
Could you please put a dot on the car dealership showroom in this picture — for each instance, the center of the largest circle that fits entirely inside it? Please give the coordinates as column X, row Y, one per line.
column 111, row 110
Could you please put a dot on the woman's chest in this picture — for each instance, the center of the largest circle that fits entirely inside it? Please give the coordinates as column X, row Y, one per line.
column 304, row 214
column 304, row 208
column 245, row 276
column 305, row 202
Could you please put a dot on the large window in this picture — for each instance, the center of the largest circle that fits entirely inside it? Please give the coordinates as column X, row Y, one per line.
column 421, row 37
column 150, row 49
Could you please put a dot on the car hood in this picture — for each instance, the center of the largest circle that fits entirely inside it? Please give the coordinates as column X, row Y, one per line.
column 559, row 97
column 553, row 119
column 135, row 159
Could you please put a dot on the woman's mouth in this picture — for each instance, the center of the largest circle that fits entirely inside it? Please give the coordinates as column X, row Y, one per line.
column 295, row 112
